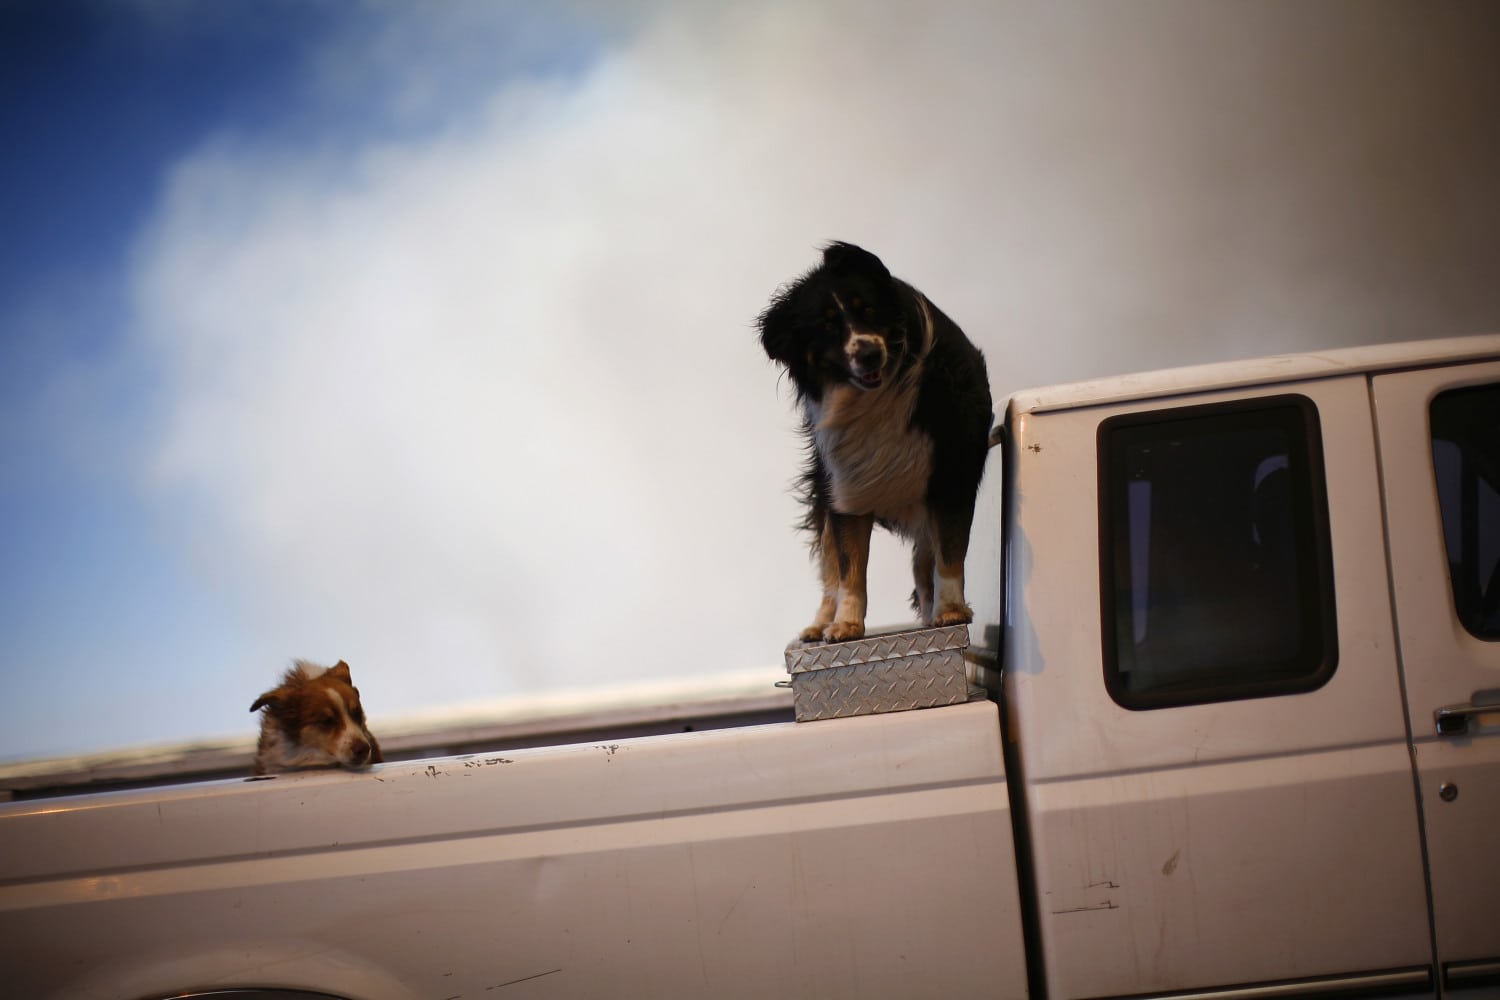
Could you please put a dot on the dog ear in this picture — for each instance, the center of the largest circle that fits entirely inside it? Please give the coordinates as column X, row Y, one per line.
column 273, row 698
column 778, row 334
column 340, row 671
column 846, row 258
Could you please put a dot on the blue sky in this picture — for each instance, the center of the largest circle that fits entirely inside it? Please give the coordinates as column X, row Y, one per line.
column 101, row 100
column 420, row 335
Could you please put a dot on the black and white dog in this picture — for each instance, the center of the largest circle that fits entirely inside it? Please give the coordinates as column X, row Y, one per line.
column 897, row 412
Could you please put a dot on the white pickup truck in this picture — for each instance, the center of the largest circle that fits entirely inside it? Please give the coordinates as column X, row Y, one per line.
column 1243, row 740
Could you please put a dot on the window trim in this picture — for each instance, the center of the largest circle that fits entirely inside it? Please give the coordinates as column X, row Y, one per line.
column 1319, row 603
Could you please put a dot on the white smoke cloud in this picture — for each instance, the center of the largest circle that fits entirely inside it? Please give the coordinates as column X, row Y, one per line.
column 482, row 411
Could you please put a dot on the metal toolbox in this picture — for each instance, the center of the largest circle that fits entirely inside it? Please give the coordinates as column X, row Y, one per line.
column 889, row 671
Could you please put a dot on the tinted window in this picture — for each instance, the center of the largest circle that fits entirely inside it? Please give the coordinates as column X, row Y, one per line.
column 1217, row 574
column 1466, row 460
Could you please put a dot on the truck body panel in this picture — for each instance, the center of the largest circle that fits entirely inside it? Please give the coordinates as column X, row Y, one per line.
column 741, row 863
column 1446, row 664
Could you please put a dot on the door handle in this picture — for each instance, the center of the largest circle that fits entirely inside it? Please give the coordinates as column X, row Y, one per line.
column 1453, row 720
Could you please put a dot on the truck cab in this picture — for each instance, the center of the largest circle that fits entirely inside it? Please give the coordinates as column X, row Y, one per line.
column 1252, row 676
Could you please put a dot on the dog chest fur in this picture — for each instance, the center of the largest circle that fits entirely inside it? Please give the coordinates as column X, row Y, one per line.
column 877, row 462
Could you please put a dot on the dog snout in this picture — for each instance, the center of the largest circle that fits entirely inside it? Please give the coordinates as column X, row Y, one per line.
column 870, row 356
column 867, row 354
column 359, row 752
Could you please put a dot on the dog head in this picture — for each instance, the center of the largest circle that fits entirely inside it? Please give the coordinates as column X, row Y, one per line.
column 847, row 321
column 314, row 719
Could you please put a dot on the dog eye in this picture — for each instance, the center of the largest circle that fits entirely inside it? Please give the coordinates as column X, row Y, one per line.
column 855, row 302
column 870, row 314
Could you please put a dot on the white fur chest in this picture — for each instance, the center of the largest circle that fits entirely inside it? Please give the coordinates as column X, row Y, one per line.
column 877, row 463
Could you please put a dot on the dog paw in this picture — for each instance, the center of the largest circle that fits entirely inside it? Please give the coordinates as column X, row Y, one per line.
column 952, row 616
column 843, row 631
column 813, row 633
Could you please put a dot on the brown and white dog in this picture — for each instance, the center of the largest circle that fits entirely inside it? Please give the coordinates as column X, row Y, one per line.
column 314, row 719
column 897, row 413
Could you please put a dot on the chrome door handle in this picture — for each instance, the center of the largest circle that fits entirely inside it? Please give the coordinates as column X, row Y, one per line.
column 1453, row 720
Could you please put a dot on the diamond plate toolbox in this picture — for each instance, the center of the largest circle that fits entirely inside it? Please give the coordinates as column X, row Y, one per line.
column 885, row 672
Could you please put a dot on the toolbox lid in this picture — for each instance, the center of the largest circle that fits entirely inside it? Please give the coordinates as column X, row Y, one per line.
column 894, row 644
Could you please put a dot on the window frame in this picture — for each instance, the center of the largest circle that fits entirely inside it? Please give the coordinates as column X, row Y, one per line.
column 1298, row 416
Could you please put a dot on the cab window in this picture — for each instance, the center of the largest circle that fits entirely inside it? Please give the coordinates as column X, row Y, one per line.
column 1217, row 575
column 1466, row 463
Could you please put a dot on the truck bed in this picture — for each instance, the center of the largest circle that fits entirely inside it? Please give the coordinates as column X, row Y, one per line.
column 759, row 861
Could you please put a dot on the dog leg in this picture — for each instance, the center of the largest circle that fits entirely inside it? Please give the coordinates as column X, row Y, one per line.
column 828, row 567
column 951, row 528
column 851, row 533
column 952, row 609
column 923, row 566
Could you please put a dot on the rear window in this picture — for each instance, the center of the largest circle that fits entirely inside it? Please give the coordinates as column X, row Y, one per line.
column 1217, row 574
column 1466, row 462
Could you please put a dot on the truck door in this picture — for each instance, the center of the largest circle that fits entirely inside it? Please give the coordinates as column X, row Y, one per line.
column 1439, row 432
column 1212, row 738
